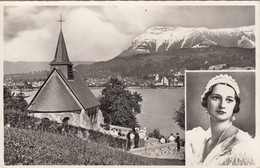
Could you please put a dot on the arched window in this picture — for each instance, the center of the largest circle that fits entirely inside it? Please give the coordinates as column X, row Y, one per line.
column 65, row 120
column 46, row 119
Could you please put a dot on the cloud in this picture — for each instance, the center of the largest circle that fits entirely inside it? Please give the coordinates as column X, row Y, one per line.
column 19, row 19
column 98, row 33
column 90, row 37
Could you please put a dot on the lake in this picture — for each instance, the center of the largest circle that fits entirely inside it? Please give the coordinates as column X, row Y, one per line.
column 157, row 108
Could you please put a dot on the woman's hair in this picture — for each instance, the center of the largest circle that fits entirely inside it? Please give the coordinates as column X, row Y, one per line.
column 204, row 99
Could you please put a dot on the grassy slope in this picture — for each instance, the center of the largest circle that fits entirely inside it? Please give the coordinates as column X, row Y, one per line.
column 29, row 147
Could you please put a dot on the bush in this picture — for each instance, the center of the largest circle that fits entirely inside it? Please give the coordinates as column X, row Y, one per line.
column 23, row 121
column 155, row 134
column 11, row 101
column 107, row 139
column 179, row 115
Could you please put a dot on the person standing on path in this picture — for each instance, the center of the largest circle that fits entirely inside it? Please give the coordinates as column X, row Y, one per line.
column 128, row 140
column 142, row 134
column 136, row 138
column 177, row 140
column 171, row 138
column 162, row 140
column 132, row 137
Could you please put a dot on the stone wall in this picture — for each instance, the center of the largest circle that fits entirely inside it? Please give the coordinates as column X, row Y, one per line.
column 78, row 119
column 164, row 151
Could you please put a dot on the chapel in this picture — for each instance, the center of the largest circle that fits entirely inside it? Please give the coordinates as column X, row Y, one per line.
column 64, row 97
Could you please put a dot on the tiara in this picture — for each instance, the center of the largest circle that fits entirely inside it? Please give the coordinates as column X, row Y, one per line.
column 226, row 79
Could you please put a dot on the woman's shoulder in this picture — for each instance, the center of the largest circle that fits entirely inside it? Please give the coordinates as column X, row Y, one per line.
column 197, row 131
column 197, row 135
column 244, row 148
column 195, row 139
column 242, row 136
column 243, row 142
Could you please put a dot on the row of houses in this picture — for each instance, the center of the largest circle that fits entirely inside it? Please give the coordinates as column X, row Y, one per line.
column 22, row 84
column 176, row 80
column 170, row 82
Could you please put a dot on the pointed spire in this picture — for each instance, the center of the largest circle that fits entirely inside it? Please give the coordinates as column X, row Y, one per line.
column 61, row 55
column 61, row 21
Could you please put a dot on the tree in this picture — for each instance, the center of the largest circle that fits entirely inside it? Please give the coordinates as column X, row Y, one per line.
column 179, row 115
column 118, row 105
column 20, row 101
column 9, row 98
column 13, row 102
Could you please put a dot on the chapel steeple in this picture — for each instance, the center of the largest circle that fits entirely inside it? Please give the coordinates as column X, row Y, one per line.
column 61, row 59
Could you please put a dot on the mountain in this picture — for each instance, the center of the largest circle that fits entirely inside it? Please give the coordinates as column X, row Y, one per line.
column 26, row 67
column 142, row 64
column 165, row 50
column 161, row 39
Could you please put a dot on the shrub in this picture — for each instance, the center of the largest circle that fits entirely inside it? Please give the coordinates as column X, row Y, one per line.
column 179, row 115
column 23, row 121
column 155, row 134
column 11, row 101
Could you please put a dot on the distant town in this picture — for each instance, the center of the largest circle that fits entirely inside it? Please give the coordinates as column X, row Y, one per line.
column 176, row 79
column 173, row 79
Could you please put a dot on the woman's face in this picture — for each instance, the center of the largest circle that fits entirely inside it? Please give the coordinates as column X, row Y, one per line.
column 221, row 102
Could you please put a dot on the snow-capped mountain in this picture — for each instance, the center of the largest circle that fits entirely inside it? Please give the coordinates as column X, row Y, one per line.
column 166, row 39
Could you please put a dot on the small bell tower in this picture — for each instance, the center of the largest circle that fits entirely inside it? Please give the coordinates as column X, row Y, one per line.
column 61, row 60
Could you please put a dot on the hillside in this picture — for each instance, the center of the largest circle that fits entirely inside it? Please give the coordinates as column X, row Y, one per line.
column 141, row 65
column 27, row 147
column 24, row 67
column 33, row 67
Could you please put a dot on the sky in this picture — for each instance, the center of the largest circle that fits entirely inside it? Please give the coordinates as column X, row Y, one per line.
column 100, row 33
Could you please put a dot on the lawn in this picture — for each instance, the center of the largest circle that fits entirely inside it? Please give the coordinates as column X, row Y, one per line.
column 29, row 147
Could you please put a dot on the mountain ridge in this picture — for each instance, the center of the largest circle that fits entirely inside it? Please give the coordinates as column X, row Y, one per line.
column 159, row 39
column 142, row 64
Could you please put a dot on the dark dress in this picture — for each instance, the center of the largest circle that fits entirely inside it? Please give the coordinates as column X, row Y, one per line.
column 128, row 141
column 136, row 139
column 177, row 140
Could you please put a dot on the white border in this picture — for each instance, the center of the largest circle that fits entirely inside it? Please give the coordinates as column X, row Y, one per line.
column 127, row 3
column 137, row 3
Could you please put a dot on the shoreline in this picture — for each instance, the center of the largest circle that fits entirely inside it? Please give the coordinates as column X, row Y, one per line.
column 97, row 87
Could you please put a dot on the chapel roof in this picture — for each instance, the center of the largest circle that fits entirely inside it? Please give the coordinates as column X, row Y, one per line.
column 61, row 54
column 81, row 90
column 58, row 94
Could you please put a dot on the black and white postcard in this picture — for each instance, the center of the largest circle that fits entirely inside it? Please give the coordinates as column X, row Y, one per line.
column 130, row 83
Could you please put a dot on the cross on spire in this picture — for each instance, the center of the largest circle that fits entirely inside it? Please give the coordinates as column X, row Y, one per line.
column 61, row 21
